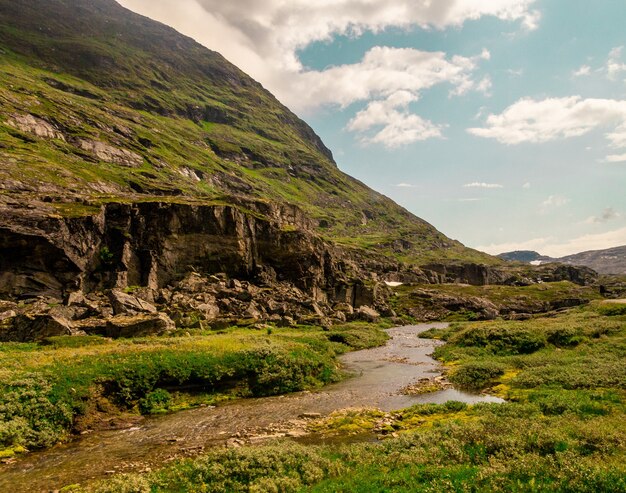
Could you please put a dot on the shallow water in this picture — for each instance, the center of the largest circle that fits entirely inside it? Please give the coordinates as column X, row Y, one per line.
column 380, row 374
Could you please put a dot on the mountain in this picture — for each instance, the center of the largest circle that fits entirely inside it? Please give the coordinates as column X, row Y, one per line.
column 609, row 261
column 147, row 183
column 99, row 104
column 526, row 256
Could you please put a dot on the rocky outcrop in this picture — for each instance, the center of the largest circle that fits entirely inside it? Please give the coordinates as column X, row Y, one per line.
column 482, row 275
column 110, row 154
column 153, row 244
column 26, row 328
column 424, row 304
column 35, row 126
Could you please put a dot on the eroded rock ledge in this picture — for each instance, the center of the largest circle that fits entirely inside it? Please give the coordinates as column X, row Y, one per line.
column 197, row 265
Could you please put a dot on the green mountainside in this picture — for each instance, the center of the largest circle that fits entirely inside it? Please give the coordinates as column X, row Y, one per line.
column 98, row 104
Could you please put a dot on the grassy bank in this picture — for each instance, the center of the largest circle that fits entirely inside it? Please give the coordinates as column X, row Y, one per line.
column 463, row 302
column 48, row 391
column 562, row 429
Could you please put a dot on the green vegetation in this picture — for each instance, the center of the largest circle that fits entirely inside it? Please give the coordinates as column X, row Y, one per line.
column 201, row 129
column 562, row 429
column 463, row 302
column 64, row 384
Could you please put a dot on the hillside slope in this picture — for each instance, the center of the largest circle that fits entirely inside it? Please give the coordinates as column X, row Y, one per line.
column 99, row 105
column 611, row 261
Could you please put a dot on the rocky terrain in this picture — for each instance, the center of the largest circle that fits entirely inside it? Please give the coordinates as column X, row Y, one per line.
column 611, row 261
column 146, row 184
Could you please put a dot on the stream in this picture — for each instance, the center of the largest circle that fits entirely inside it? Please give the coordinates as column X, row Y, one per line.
column 379, row 376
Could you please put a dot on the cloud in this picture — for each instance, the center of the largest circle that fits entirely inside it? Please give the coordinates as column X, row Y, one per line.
column 615, row 66
column 534, row 121
column 616, row 158
column 482, row 185
column 392, row 123
column 607, row 215
column 384, row 72
column 515, row 73
column 554, row 202
column 265, row 39
column 583, row 71
column 405, row 185
column 526, row 186
column 549, row 246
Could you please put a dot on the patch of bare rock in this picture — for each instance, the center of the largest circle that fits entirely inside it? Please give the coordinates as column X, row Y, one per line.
column 195, row 302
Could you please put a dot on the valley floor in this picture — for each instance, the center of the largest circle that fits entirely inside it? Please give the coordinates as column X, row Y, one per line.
column 561, row 429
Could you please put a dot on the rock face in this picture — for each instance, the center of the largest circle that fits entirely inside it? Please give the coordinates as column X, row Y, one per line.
column 153, row 244
column 27, row 328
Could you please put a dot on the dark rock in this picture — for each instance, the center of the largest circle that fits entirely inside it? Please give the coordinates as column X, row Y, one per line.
column 125, row 304
column 27, row 328
column 139, row 325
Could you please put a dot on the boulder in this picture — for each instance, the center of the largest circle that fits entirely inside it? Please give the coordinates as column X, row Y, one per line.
column 126, row 304
column 209, row 310
column 28, row 328
column 367, row 313
column 344, row 307
column 139, row 325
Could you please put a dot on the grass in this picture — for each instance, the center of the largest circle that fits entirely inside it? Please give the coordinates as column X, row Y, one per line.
column 462, row 302
column 204, row 116
column 47, row 391
column 562, row 429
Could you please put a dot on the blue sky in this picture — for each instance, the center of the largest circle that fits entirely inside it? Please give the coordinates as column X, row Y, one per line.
column 501, row 122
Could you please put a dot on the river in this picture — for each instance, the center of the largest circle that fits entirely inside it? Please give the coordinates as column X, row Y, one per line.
column 379, row 376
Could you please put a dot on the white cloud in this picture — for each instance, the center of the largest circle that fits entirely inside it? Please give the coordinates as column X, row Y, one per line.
column 392, row 122
column 554, row 202
column 383, row 72
column 608, row 214
column 553, row 248
column 616, row 158
column 482, row 185
column 264, row 39
column 485, row 86
column 470, row 200
column 526, row 186
column 615, row 66
column 534, row 121
column 583, row 71
column 405, row 185
column 515, row 73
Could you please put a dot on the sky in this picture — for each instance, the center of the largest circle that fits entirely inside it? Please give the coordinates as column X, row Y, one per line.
column 500, row 122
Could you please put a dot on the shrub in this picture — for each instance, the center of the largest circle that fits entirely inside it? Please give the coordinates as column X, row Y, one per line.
column 155, row 402
column 476, row 376
column 500, row 339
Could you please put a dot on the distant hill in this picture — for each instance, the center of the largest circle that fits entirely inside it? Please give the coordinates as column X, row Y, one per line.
column 526, row 256
column 609, row 261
